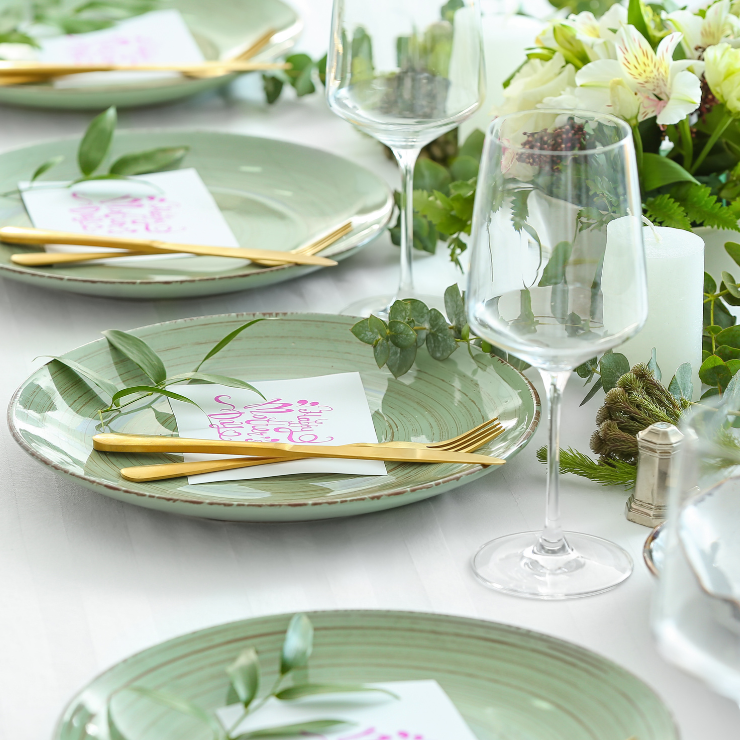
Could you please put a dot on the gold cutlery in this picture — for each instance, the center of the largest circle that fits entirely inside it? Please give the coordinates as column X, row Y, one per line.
column 313, row 247
column 471, row 440
column 371, row 451
column 22, row 235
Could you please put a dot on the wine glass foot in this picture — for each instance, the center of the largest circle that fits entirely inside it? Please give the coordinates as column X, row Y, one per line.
column 590, row 565
column 380, row 305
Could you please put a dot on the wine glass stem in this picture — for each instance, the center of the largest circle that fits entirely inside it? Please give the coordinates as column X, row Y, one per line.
column 406, row 159
column 551, row 541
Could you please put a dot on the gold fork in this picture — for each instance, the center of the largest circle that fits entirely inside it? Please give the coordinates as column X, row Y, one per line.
column 469, row 441
column 314, row 247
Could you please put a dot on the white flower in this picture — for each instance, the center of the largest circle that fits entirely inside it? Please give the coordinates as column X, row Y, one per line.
column 722, row 71
column 664, row 88
column 600, row 35
column 701, row 33
column 615, row 98
column 535, row 81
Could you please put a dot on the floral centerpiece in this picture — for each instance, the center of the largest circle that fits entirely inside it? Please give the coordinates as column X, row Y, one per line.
column 674, row 77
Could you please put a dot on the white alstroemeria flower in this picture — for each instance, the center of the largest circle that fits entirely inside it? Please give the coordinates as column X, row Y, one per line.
column 666, row 89
column 615, row 98
column 722, row 71
column 700, row 33
column 535, row 81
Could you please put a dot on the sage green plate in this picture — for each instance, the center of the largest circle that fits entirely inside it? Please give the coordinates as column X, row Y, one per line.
column 273, row 194
column 222, row 28
column 53, row 416
column 508, row 683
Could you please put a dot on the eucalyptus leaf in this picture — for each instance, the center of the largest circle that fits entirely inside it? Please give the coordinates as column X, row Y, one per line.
column 298, row 644
column 364, row 333
column 420, row 318
column 727, row 353
column 714, row 371
column 400, row 311
column 273, row 87
column 96, row 141
column 440, row 340
column 227, row 340
column 401, row 335
column 378, row 326
column 381, row 351
column 613, row 366
column 180, row 705
column 729, row 336
column 733, row 249
column 588, row 368
column 46, row 166
column 153, row 160
column 139, row 352
column 400, row 360
column 681, row 385
column 302, row 728
column 653, row 365
column 150, row 389
column 455, row 307
column 312, row 689
column 105, row 385
column 729, row 283
column 244, row 674
column 554, row 272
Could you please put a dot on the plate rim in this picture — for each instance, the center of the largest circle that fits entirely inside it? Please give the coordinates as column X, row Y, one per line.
column 255, row 503
column 444, row 617
column 41, row 275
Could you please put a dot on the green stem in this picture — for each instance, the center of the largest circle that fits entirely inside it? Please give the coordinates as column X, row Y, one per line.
column 688, row 143
column 638, row 150
column 723, row 124
column 711, row 322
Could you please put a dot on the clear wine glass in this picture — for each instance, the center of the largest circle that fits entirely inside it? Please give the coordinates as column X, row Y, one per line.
column 405, row 72
column 557, row 276
column 696, row 612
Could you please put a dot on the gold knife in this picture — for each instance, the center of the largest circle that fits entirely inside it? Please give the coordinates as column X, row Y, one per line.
column 23, row 235
column 377, row 451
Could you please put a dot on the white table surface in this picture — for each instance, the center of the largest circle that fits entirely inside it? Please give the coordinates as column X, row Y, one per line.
column 85, row 580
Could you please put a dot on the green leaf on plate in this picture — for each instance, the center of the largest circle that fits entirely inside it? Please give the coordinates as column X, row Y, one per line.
column 364, row 333
column 400, row 360
column 151, row 390
column 400, row 311
column 311, row 689
column 441, row 339
column 138, row 351
column 298, row 644
column 455, row 307
column 381, row 351
column 96, row 141
column 401, row 335
column 420, row 319
column 180, row 705
column 681, row 386
column 110, row 388
column 302, row 728
column 244, row 674
column 153, row 160
column 378, row 326
column 46, row 166
column 554, row 272
column 215, row 379
column 227, row 340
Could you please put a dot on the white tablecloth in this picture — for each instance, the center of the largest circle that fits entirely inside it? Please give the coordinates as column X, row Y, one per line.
column 85, row 580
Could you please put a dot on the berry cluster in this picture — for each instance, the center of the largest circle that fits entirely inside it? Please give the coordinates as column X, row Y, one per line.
column 568, row 138
column 708, row 101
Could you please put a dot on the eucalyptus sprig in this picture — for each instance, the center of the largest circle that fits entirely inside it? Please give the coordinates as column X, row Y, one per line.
column 412, row 324
column 95, row 146
column 151, row 365
column 302, row 76
column 244, row 679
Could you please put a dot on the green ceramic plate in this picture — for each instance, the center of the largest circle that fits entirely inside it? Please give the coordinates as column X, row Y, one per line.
column 54, row 416
column 508, row 683
column 221, row 28
column 273, row 194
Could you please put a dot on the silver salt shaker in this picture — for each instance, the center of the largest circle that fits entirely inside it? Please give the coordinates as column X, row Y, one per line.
column 656, row 465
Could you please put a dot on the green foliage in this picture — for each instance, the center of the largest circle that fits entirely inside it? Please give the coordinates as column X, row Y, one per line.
column 95, row 146
column 244, row 685
column 151, row 365
column 411, row 325
column 612, row 473
column 666, row 211
column 302, row 76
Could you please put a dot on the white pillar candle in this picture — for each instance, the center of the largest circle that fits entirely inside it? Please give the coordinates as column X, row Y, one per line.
column 505, row 37
column 675, row 275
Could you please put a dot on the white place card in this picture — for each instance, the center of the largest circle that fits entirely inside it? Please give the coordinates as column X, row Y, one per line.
column 326, row 410
column 423, row 711
column 159, row 37
column 171, row 206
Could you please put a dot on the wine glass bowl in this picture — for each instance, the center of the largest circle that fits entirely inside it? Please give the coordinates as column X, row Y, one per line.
column 404, row 72
column 557, row 277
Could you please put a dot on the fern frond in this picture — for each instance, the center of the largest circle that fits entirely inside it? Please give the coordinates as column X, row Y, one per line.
column 613, row 473
column 667, row 211
column 519, row 209
column 703, row 207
